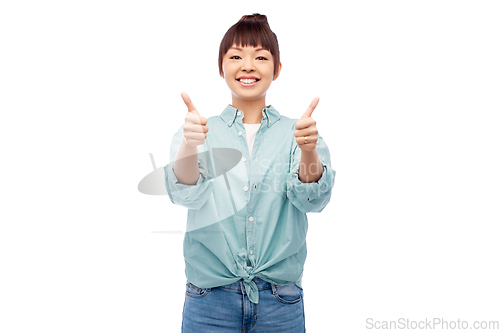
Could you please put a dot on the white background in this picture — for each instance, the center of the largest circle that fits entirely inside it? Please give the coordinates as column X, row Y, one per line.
column 409, row 109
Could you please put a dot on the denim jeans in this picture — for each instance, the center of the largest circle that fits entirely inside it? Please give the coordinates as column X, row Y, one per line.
column 228, row 309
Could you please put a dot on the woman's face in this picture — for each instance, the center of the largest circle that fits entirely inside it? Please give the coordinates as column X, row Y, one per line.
column 248, row 71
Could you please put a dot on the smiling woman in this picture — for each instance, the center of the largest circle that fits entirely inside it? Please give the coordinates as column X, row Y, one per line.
column 245, row 245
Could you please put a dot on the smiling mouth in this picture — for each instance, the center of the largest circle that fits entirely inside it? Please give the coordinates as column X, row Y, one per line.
column 248, row 80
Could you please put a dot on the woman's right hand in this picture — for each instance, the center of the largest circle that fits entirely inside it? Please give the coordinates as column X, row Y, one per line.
column 195, row 126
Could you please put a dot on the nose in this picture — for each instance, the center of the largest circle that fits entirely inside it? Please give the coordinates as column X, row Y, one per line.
column 248, row 65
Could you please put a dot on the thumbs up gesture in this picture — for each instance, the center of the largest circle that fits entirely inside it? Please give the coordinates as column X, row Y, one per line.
column 306, row 132
column 195, row 126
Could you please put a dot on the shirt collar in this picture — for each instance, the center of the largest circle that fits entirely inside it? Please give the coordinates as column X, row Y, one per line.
column 270, row 113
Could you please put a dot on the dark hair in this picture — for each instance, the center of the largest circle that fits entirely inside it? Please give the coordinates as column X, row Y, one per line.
column 251, row 30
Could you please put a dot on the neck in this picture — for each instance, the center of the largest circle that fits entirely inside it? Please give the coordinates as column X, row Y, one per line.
column 252, row 109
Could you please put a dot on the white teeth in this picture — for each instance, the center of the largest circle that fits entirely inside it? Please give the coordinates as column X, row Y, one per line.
column 248, row 80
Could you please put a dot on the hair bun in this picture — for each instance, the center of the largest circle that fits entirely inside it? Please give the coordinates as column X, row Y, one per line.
column 255, row 17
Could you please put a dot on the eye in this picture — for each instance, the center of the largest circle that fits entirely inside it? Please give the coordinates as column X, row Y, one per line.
column 235, row 57
column 261, row 58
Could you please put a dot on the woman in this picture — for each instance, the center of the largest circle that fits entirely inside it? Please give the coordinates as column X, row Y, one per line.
column 245, row 244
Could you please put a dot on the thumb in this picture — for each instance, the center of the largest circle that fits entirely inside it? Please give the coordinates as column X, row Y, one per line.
column 311, row 108
column 188, row 103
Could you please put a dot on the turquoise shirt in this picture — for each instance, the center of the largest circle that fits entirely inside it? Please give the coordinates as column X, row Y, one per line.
column 251, row 221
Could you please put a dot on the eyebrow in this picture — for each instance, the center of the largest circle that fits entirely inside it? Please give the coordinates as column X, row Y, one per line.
column 240, row 49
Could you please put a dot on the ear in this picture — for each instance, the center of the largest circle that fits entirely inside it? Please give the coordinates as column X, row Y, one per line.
column 279, row 71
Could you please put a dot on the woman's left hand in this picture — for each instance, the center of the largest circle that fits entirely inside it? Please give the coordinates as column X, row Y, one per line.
column 306, row 132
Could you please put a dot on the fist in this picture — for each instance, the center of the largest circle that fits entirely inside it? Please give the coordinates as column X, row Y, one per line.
column 306, row 133
column 195, row 126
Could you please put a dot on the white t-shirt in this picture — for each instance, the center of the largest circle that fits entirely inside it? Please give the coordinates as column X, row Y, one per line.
column 251, row 132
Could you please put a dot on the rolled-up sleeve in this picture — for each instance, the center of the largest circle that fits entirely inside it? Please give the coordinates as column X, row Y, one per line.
column 189, row 196
column 310, row 197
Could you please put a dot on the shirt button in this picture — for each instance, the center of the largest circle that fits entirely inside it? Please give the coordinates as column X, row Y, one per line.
column 240, row 133
column 245, row 188
column 238, row 113
column 251, row 252
column 230, row 122
column 250, row 219
column 243, row 159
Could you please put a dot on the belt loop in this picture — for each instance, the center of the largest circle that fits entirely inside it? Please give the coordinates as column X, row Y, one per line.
column 273, row 287
column 242, row 287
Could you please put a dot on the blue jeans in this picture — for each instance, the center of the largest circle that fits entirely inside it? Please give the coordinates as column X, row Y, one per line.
column 228, row 309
